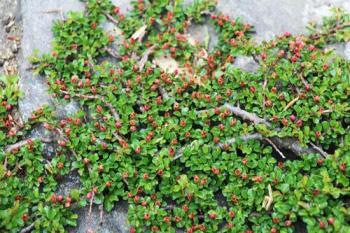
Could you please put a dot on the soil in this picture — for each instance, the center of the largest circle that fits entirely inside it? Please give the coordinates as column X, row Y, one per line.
column 10, row 36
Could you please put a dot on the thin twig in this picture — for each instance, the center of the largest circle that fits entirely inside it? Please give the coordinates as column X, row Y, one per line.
column 264, row 96
column 327, row 111
column 268, row 199
column 179, row 153
column 28, row 228
column 303, row 80
column 275, row 147
column 112, row 109
column 244, row 138
column 90, row 207
column 101, row 214
column 246, row 115
column 5, row 163
column 290, row 104
column 113, row 53
column 163, row 93
column 330, row 32
column 322, row 152
column 107, row 104
column 145, row 56
column 287, row 142
column 66, row 139
column 111, row 18
column 23, row 143
column 52, row 11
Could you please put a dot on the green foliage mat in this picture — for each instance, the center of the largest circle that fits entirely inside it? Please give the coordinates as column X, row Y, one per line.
column 189, row 140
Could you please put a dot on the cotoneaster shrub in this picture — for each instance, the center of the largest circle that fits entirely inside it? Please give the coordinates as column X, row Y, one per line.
column 189, row 140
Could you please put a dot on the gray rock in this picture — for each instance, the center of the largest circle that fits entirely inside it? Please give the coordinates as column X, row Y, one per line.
column 71, row 181
column 64, row 110
column 112, row 222
column 273, row 17
column 202, row 31
column 124, row 5
column 246, row 63
column 342, row 49
column 37, row 35
column 347, row 50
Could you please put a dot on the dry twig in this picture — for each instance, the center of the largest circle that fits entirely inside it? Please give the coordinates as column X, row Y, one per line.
column 111, row 18
column 275, row 147
column 28, row 228
column 107, row 104
column 290, row 104
column 145, row 56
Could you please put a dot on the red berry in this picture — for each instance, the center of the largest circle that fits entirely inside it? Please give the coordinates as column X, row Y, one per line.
column 231, row 214
column 318, row 134
column 116, row 10
column 322, row 224
column 59, row 198
column 89, row 195
column 288, row 223
column 284, row 122
column 275, row 220
column 196, row 179
column 25, row 217
column 307, row 87
column 93, row 25
column 60, row 165
column 146, row 216
column 316, row 99
column 53, row 199
column 287, row 34
column 292, row 118
column 325, row 67
column 342, row 167
column 330, row 221
column 281, row 53
column 299, row 123
column 212, row 215
column 319, row 162
column 232, row 42
column 252, row 89
column 138, row 150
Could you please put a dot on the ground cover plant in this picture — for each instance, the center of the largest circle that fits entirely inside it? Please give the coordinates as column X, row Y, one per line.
column 189, row 140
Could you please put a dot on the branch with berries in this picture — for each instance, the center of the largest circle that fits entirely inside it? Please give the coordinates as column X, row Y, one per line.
column 19, row 144
column 289, row 143
column 330, row 32
column 96, row 97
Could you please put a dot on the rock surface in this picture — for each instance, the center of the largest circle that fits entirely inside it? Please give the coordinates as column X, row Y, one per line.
column 273, row 17
column 204, row 32
column 37, row 20
column 10, row 32
column 112, row 222
column 246, row 63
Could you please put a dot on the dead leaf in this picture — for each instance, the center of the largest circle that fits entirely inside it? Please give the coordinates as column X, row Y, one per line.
column 192, row 41
column 203, row 54
column 140, row 33
column 170, row 65
column 167, row 64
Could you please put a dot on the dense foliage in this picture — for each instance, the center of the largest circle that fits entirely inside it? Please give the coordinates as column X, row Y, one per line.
column 188, row 139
